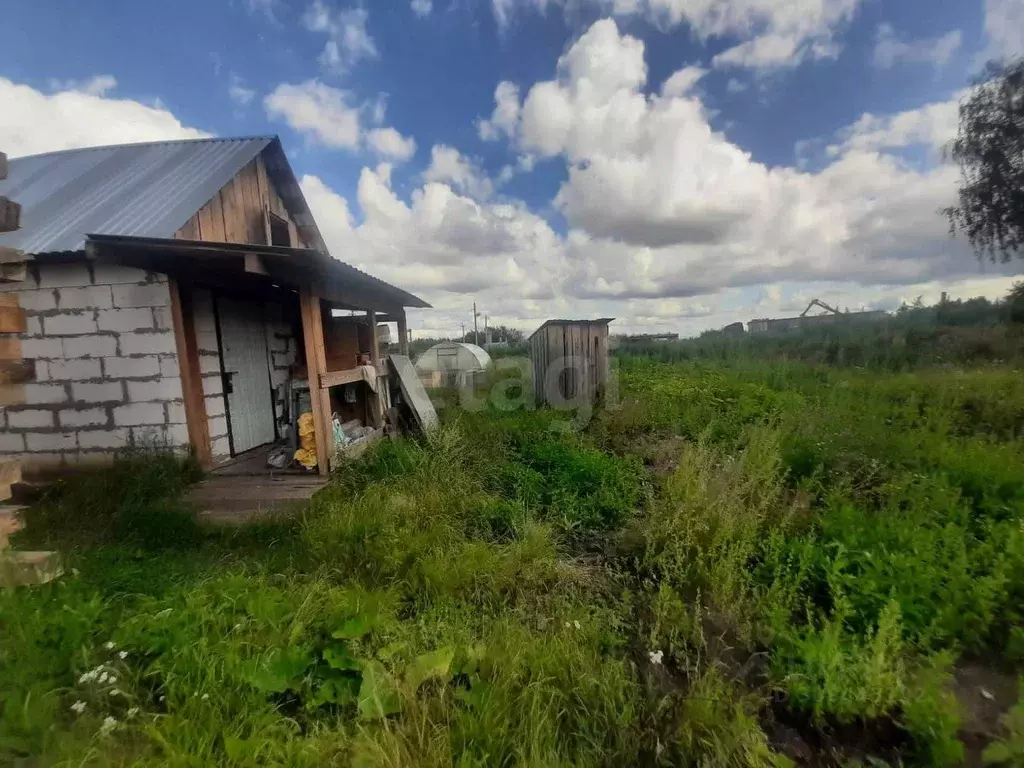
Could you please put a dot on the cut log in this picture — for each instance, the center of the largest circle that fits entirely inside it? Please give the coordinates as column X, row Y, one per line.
column 10, row 348
column 13, row 273
column 12, row 394
column 11, row 255
column 12, row 319
column 17, row 371
column 10, row 523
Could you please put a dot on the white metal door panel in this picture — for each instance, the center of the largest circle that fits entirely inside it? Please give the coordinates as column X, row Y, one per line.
column 243, row 339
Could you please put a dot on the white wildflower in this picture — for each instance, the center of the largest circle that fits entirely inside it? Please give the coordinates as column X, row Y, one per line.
column 123, row 654
column 117, row 692
column 576, row 624
column 163, row 698
column 109, row 724
column 103, row 678
column 567, row 625
column 206, row 696
column 656, row 657
column 132, row 712
column 238, row 626
column 112, row 679
column 78, row 707
column 109, row 645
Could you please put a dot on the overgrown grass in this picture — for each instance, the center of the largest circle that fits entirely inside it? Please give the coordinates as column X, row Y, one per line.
column 742, row 565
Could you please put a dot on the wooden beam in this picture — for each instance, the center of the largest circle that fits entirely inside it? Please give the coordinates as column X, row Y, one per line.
column 10, row 215
column 254, row 264
column 12, row 394
column 10, row 348
column 13, row 273
column 338, row 378
column 316, row 366
column 12, row 319
column 191, row 378
column 371, row 319
column 17, row 371
column 11, row 255
column 375, row 400
column 3, row 166
column 403, row 335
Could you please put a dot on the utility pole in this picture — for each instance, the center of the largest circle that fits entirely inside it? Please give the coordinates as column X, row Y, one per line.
column 463, row 331
column 476, row 333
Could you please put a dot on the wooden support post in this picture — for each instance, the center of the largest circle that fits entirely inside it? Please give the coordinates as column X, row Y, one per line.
column 371, row 319
column 403, row 335
column 191, row 377
column 376, row 405
column 316, row 366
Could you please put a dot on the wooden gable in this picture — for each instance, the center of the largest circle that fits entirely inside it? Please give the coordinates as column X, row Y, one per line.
column 242, row 210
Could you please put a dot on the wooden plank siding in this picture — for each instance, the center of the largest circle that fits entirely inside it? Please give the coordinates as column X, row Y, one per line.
column 237, row 213
column 572, row 359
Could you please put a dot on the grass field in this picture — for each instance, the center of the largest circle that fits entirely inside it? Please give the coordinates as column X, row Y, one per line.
column 746, row 563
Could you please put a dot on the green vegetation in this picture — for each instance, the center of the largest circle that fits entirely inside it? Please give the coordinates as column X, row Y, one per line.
column 748, row 562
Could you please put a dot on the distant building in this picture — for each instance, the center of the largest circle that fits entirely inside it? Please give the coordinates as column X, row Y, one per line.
column 783, row 324
column 657, row 337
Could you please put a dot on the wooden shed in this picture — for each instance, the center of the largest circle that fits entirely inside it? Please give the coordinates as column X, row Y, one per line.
column 570, row 361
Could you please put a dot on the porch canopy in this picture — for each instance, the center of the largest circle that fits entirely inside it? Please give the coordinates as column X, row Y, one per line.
column 255, row 268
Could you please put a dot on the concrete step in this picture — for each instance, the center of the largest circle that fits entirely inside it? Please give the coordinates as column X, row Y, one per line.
column 19, row 569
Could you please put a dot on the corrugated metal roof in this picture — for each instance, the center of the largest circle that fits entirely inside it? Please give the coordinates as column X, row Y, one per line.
column 142, row 190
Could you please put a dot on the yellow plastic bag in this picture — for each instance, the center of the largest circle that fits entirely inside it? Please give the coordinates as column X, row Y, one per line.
column 306, row 455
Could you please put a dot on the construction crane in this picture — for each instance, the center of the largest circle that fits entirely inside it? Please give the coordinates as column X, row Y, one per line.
column 823, row 305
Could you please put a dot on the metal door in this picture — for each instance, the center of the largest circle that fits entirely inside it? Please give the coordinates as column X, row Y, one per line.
column 243, row 345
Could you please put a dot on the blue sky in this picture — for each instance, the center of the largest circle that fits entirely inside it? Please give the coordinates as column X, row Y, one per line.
column 772, row 172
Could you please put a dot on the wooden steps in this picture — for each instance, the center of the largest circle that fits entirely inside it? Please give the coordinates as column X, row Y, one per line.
column 241, row 499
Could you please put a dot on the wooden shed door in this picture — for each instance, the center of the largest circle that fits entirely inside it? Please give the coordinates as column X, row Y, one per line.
column 243, row 339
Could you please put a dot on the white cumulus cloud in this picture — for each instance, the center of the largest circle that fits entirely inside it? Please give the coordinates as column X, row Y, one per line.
column 422, row 8
column 330, row 117
column 389, row 143
column 81, row 115
column 449, row 166
column 773, row 34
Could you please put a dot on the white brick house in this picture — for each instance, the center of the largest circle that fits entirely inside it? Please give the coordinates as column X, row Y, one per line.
column 171, row 288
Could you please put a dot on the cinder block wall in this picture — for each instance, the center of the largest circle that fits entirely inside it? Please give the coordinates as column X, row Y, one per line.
column 282, row 348
column 107, row 373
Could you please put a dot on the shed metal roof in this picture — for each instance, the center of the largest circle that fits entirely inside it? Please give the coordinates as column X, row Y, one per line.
column 147, row 192
column 142, row 190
